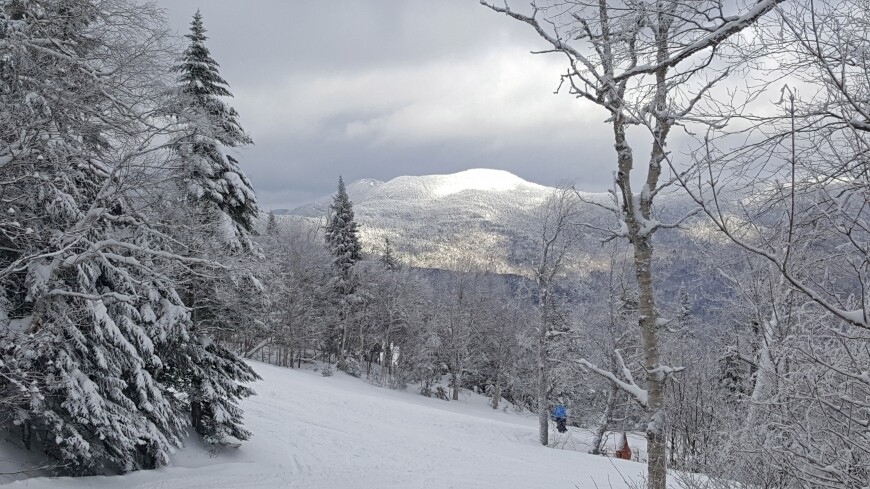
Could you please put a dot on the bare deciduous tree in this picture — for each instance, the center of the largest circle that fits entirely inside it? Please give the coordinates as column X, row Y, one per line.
column 647, row 63
column 559, row 232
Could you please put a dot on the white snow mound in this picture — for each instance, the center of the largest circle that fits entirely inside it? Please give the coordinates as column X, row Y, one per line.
column 479, row 179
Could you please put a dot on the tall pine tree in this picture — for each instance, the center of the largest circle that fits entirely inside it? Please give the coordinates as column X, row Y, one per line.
column 272, row 224
column 342, row 237
column 85, row 314
column 98, row 355
column 224, row 209
column 388, row 260
column 342, row 240
column 208, row 172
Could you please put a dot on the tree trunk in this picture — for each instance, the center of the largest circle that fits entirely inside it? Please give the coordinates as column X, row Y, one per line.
column 196, row 415
column 361, row 354
column 598, row 438
column 454, row 382
column 543, row 373
column 655, row 379
column 343, row 344
column 496, row 391
column 26, row 433
column 765, row 377
column 543, row 382
column 543, row 416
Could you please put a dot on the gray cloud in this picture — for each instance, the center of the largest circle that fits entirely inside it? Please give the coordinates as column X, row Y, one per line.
column 382, row 88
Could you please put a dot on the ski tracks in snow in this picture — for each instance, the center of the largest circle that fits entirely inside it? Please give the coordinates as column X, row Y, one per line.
column 312, row 432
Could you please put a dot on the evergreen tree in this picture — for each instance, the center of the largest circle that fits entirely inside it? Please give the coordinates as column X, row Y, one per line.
column 341, row 237
column 84, row 316
column 224, row 210
column 210, row 174
column 272, row 224
column 343, row 243
column 388, row 260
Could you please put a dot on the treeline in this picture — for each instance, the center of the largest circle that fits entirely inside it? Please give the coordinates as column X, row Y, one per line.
column 757, row 112
column 516, row 338
column 368, row 314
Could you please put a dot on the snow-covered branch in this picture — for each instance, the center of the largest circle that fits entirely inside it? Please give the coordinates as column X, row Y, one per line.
column 628, row 385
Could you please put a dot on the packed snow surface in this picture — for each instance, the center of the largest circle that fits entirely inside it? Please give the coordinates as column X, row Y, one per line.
column 338, row 432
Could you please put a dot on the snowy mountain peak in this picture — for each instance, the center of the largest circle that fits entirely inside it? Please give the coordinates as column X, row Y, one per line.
column 367, row 182
column 478, row 179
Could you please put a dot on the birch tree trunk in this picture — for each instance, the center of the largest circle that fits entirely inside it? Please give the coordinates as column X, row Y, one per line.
column 543, row 384
column 606, row 416
column 614, row 50
column 496, row 391
column 655, row 438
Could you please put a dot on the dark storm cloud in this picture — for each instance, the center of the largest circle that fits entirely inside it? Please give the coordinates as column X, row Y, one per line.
column 382, row 88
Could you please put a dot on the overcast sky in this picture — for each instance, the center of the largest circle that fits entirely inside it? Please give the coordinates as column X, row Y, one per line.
column 383, row 88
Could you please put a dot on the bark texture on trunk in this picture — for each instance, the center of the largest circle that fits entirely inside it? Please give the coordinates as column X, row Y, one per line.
column 598, row 437
column 655, row 379
column 543, row 384
column 496, row 392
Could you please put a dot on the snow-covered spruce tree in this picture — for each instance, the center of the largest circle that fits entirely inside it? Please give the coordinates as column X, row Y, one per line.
column 221, row 210
column 341, row 234
column 344, row 245
column 210, row 174
column 388, row 259
column 272, row 224
column 85, row 318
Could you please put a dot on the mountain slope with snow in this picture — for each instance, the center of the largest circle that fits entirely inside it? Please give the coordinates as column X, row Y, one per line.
column 480, row 217
column 338, row 432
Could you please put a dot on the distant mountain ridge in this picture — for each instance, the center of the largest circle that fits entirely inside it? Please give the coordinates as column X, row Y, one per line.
column 491, row 220
column 358, row 191
column 477, row 217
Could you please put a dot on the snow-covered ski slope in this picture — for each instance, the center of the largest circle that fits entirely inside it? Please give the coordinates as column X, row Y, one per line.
column 339, row 432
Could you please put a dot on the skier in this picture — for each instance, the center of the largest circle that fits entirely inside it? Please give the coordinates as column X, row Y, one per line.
column 560, row 417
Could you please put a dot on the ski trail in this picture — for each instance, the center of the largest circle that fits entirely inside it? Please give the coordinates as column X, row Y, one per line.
column 338, row 432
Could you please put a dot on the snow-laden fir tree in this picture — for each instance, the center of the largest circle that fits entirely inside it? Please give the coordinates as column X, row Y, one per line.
column 342, row 236
column 85, row 315
column 209, row 173
column 388, row 259
column 343, row 243
column 272, row 224
column 222, row 210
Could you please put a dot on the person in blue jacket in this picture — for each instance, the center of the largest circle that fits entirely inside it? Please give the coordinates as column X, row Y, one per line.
column 560, row 416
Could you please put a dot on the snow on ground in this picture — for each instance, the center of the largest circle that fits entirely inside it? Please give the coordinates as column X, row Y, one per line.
column 480, row 179
column 339, row 432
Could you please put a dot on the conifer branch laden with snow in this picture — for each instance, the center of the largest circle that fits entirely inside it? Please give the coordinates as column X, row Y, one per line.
column 210, row 126
column 224, row 209
column 96, row 350
column 343, row 243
